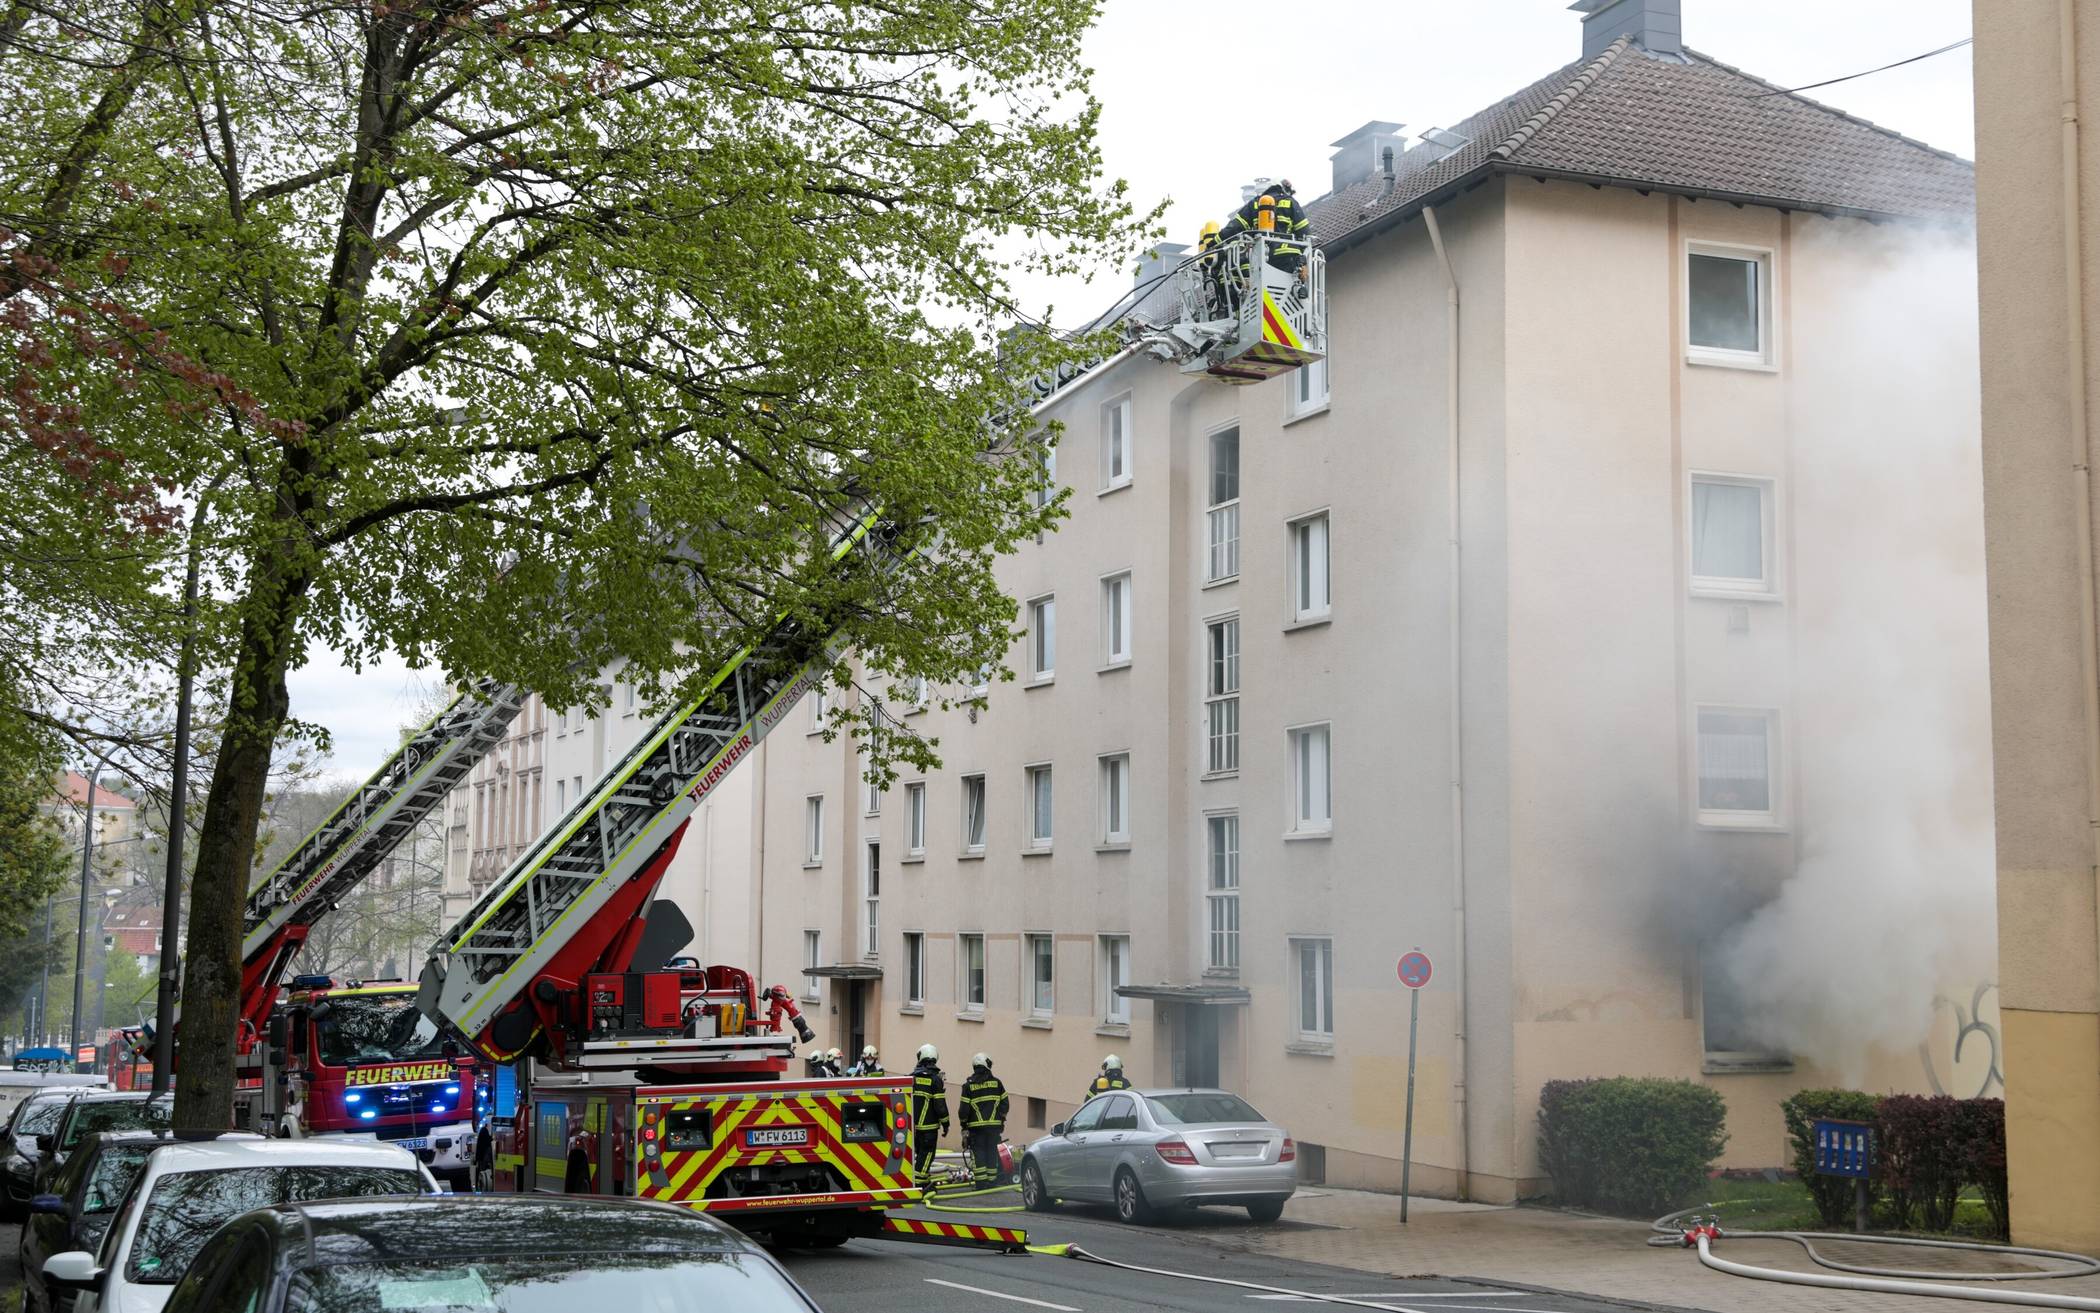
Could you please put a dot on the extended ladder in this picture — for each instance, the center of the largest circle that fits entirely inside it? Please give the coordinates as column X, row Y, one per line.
column 573, row 904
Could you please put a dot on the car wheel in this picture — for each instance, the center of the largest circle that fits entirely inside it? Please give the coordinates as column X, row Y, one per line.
column 1265, row 1210
column 1130, row 1199
column 1034, row 1197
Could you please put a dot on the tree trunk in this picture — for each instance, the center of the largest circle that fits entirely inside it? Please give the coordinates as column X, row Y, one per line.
column 211, row 985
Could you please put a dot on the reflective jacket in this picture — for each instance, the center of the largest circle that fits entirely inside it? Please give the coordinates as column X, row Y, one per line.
column 1291, row 221
column 983, row 1100
column 1106, row 1081
column 929, row 1098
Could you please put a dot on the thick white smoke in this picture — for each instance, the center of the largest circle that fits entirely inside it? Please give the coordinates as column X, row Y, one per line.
column 1892, row 903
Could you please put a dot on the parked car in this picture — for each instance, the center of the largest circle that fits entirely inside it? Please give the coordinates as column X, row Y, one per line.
column 35, row 1115
column 495, row 1253
column 96, row 1110
column 82, row 1200
column 16, row 1086
column 189, row 1188
column 1146, row 1149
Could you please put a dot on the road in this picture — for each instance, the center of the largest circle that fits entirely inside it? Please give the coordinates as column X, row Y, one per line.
column 878, row 1277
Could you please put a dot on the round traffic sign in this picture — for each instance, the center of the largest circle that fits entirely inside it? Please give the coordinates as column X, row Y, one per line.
column 1414, row 969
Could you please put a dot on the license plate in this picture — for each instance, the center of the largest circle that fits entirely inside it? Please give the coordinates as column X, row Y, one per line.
column 773, row 1137
column 1235, row 1150
column 419, row 1142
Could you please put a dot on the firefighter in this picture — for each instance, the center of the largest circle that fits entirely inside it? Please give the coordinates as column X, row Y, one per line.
column 835, row 1062
column 1111, row 1077
column 984, row 1120
column 819, row 1064
column 1291, row 225
column 929, row 1108
column 1217, row 289
column 870, row 1063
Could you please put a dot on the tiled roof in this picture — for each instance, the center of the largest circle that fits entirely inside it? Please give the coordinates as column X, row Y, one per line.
column 73, row 787
column 1630, row 118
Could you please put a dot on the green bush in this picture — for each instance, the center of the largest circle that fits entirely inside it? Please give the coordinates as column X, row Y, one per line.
column 1833, row 1194
column 1626, row 1144
column 1920, row 1159
column 1980, row 1127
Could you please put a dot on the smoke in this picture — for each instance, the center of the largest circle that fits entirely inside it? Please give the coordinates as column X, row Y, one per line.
column 1891, row 902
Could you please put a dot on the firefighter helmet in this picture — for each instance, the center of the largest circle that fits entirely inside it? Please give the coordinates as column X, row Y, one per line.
column 928, row 1053
column 983, row 1060
column 1111, row 1063
column 868, row 1052
column 834, row 1053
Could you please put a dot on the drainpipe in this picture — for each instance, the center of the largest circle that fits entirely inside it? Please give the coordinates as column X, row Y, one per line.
column 2081, row 438
column 1456, row 693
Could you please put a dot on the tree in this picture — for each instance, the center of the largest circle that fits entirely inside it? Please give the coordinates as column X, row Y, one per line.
column 33, row 867
column 519, row 336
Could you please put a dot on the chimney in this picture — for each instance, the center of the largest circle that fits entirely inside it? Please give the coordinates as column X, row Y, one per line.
column 1357, row 156
column 1656, row 26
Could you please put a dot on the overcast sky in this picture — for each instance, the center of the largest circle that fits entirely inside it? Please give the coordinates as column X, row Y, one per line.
column 1197, row 99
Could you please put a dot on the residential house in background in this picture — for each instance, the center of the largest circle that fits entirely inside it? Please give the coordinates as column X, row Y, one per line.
column 1552, row 626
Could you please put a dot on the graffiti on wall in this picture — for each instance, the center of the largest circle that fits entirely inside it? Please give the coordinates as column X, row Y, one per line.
column 1961, row 1057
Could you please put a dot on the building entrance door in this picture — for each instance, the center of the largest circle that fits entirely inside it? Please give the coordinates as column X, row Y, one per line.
column 1195, row 1057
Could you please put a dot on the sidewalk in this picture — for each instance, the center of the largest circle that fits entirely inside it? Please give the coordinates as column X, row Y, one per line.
column 1589, row 1255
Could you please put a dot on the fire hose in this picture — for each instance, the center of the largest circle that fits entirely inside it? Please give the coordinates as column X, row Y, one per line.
column 1701, row 1234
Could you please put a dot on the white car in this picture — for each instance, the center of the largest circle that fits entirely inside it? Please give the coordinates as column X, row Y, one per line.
column 187, row 1190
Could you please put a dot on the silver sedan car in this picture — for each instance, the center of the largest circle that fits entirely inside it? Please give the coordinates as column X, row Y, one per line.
column 1142, row 1150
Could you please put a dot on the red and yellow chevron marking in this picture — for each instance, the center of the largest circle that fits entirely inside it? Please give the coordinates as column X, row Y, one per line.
column 872, row 1171
column 1275, row 327
column 1008, row 1238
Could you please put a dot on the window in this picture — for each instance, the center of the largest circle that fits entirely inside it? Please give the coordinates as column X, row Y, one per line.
column 1115, row 973
column 1115, row 620
column 1040, row 811
column 1115, row 444
column 1041, row 992
column 813, row 829
column 914, row 968
column 561, row 797
column 1115, row 798
column 1309, row 583
column 1221, row 696
column 1309, row 388
column 969, row 958
column 973, row 813
column 1222, row 842
column 812, row 958
column 1315, row 989
column 1312, row 780
column 1042, row 638
column 1727, row 1025
column 1728, row 304
column 576, row 789
column 915, row 818
column 630, row 699
column 1736, row 779
column 1046, row 494
column 1731, row 528
column 871, row 890
column 871, row 790
column 915, row 696
column 819, row 708
column 1222, row 525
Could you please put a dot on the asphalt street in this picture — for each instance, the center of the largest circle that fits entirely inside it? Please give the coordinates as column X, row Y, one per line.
column 870, row 1276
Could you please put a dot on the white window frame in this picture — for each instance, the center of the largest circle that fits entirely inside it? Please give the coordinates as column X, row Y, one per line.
column 629, row 710
column 1306, row 824
column 1766, row 357
column 1042, row 830
column 1118, row 444
column 819, row 708
column 969, row 848
column 1221, row 519
column 561, row 800
column 1047, row 457
column 1323, row 989
column 1038, row 946
column 812, row 956
column 914, row 968
column 1221, row 704
column 1112, row 783
column 915, row 695
column 1310, row 390
column 1305, row 608
column 1118, row 613
column 871, row 899
column 1042, row 638
column 1765, row 589
column 1113, row 952
column 965, row 1004
column 1717, row 818
column 915, row 819
column 813, row 830
column 1221, row 886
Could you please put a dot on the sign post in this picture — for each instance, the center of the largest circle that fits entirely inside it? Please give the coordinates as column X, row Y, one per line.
column 1414, row 973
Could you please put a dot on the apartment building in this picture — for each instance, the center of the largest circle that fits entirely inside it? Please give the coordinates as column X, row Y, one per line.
column 1574, row 622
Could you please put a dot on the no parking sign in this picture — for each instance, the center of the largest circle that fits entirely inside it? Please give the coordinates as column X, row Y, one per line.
column 1415, row 971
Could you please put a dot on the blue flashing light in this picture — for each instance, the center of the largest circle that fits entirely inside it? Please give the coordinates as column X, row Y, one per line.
column 452, row 1089
column 369, row 1113
column 437, row 1107
column 353, row 1097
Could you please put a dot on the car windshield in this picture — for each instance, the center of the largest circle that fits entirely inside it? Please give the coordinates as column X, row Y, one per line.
column 114, row 1115
column 184, row 1208
column 1199, row 1109
column 632, row 1283
column 374, row 1028
column 40, row 1118
column 112, row 1173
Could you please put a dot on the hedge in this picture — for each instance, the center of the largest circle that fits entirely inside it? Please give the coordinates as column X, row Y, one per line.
column 1627, row 1144
column 1925, row 1151
column 1833, row 1194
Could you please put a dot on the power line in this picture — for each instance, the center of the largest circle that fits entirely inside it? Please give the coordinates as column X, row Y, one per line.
column 1788, row 91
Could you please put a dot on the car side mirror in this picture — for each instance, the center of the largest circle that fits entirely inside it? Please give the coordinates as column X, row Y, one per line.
column 1058, row 1129
column 47, row 1203
column 75, row 1269
column 43, row 1143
